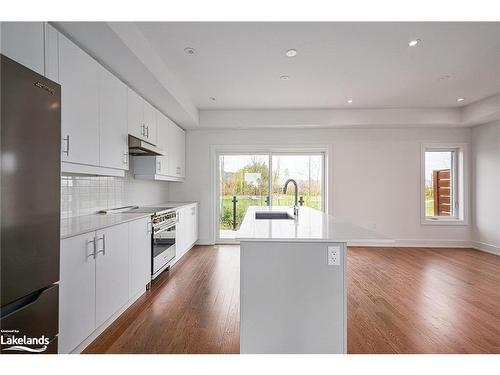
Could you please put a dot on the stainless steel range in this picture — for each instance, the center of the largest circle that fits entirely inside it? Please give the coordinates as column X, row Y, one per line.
column 163, row 241
column 164, row 221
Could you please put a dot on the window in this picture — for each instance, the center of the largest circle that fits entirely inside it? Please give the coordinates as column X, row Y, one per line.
column 443, row 183
column 257, row 179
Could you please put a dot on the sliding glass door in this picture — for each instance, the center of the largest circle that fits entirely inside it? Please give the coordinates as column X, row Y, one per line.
column 247, row 180
column 306, row 170
column 243, row 182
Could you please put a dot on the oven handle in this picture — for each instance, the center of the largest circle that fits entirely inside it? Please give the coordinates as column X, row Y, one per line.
column 163, row 229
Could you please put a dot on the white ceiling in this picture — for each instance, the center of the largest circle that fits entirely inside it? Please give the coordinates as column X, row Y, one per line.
column 240, row 63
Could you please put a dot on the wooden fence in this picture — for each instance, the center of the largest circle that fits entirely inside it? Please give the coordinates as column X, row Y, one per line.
column 442, row 192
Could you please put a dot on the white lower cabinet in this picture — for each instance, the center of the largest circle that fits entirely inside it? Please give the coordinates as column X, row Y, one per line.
column 139, row 255
column 111, row 271
column 76, row 291
column 186, row 229
column 95, row 278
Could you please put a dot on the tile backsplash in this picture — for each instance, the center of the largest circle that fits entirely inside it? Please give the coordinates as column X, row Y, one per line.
column 84, row 195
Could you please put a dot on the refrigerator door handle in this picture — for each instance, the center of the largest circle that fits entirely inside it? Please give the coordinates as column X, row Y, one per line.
column 66, row 139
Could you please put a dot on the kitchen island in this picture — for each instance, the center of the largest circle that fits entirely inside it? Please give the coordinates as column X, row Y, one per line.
column 293, row 280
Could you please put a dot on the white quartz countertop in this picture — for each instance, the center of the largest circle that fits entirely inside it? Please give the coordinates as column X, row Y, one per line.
column 74, row 226
column 312, row 226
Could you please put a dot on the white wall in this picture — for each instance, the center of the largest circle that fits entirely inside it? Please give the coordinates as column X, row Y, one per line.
column 486, row 182
column 374, row 176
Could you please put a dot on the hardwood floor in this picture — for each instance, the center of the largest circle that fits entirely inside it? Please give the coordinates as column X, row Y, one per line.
column 400, row 300
column 420, row 300
column 193, row 308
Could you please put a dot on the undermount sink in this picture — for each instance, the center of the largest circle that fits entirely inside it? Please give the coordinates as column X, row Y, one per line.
column 273, row 215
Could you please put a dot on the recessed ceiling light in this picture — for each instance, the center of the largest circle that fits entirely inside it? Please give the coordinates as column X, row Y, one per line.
column 349, row 101
column 285, row 78
column 189, row 50
column 291, row 53
column 460, row 100
column 213, row 99
column 414, row 42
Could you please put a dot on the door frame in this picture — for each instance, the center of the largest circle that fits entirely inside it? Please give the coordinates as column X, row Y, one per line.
column 217, row 150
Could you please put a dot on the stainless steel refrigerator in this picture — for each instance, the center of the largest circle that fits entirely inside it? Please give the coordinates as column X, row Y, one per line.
column 30, row 209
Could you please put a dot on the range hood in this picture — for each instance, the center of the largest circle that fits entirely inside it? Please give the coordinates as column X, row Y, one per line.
column 138, row 147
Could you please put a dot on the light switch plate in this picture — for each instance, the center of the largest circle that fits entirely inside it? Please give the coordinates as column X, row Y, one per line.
column 334, row 255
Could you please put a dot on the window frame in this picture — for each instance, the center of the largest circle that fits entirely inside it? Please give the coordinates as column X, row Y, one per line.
column 459, row 171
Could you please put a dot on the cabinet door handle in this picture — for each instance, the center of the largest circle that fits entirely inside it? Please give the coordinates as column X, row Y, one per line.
column 147, row 131
column 143, row 130
column 125, row 158
column 67, row 145
column 94, row 248
column 158, row 165
column 103, row 250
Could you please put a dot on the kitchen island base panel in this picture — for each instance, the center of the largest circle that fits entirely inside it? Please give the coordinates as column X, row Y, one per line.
column 291, row 300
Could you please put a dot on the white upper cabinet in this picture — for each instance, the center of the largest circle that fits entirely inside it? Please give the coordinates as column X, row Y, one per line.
column 51, row 53
column 111, row 271
column 98, row 111
column 113, row 140
column 139, row 255
column 150, row 123
column 171, row 139
column 24, row 43
column 176, row 151
column 79, row 79
column 142, row 121
column 162, row 161
column 135, row 117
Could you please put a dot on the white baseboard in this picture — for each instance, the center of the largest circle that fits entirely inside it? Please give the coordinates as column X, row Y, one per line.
column 204, row 241
column 488, row 248
column 493, row 249
column 417, row 243
column 481, row 246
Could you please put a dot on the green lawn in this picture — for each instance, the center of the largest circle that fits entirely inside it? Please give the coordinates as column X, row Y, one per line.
column 226, row 217
column 429, row 207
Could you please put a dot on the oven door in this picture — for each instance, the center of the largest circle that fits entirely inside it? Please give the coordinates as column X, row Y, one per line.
column 163, row 248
